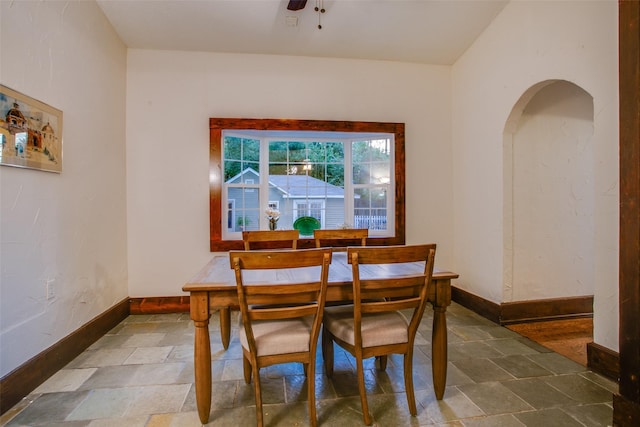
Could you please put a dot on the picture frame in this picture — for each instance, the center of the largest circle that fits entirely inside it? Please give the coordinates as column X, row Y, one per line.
column 30, row 132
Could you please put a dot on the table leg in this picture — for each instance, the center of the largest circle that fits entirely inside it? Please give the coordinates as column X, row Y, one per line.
column 225, row 326
column 199, row 307
column 439, row 351
column 442, row 299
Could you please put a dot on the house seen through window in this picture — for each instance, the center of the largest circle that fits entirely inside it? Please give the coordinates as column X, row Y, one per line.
column 344, row 180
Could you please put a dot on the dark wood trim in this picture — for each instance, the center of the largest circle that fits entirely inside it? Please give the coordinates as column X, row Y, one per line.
column 159, row 305
column 217, row 125
column 483, row 307
column 625, row 412
column 546, row 309
column 626, row 408
column 604, row 361
column 525, row 311
column 28, row 376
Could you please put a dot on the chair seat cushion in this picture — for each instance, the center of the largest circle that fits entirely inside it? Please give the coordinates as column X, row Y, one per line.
column 377, row 328
column 280, row 336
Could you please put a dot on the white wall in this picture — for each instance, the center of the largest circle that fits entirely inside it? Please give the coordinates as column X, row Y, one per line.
column 528, row 43
column 68, row 227
column 551, row 249
column 171, row 96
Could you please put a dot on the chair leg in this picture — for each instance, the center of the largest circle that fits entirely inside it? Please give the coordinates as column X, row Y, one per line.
column 246, row 367
column 327, row 352
column 382, row 360
column 305, row 368
column 256, row 389
column 363, row 391
column 408, row 382
column 311, row 392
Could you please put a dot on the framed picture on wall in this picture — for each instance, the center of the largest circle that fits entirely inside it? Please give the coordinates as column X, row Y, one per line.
column 30, row 132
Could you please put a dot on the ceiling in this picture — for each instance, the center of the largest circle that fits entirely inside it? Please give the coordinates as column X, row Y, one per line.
column 419, row 31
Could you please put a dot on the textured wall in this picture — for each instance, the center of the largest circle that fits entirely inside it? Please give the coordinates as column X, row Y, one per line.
column 528, row 43
column 553, row 242
column 68, row 229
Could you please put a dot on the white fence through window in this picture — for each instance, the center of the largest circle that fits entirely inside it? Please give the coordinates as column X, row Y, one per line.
column 378, row 222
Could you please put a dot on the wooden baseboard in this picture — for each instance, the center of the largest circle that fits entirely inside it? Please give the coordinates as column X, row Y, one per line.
column 546, row 309
column 603, row 361
column 483, row 307
column 525, row 311
column 27, row 377
column 159, row 305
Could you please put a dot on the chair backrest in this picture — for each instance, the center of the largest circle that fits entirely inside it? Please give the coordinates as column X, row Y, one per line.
column 348, row 236
column 281, row 285
column 400, row 291
column 278, row 236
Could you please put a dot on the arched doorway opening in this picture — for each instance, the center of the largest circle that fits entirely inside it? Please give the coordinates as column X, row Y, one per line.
column 549, row 199
column 549, row 194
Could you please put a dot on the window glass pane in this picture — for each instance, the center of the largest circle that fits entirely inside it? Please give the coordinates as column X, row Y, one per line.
column 297, row 152
column 380, row 173
column 316, row 152
column 335, row 175
column 232, row 169
column 378, row 197
column 251, row 150
column 244, row 210
column 370, row 208
column 361, row 173
column 241, row 155
column 278, row 152
column 372, row 161
column 232, row 148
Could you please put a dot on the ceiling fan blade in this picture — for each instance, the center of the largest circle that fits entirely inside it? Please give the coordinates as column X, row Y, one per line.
column 296, row 4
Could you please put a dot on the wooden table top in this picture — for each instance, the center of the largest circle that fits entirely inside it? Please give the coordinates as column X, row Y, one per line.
column 217, row 275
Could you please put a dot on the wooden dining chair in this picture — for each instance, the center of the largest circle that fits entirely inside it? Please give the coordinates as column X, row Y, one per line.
column 286, row 332
column 273, row 236
column 377, row 327
column 348, row 235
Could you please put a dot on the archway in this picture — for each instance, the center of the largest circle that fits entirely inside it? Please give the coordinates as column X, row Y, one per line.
column 549, row 163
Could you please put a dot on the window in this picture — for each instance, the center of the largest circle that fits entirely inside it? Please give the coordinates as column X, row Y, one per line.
column 342, row 173
column 339, row 179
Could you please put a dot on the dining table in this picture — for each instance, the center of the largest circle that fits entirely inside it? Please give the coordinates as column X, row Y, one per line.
column 213, row 289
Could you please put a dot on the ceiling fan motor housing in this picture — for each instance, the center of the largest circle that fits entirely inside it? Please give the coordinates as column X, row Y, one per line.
column 296, row 4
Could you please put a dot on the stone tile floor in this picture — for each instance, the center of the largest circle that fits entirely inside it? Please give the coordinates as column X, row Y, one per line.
column 141, row 374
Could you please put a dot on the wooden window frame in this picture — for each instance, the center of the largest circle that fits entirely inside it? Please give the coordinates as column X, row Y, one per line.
column 218, row 125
